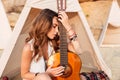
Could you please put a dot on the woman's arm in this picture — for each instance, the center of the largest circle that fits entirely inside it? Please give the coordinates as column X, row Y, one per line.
column 25, row 66
column 25, row 63
column 74, row 44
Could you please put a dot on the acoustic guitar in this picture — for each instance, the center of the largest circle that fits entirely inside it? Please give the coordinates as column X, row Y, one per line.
column 69, row 60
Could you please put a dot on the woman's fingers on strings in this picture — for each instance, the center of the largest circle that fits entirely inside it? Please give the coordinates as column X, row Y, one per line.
column 63, row 13
column 61, row 68
column 58, row 74
column 61, row 18
column 58, row 71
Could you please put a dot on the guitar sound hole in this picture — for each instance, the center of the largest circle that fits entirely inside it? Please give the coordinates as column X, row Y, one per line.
column 67, row 72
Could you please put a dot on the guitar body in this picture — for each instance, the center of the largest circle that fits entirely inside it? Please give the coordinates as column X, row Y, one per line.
column 73, row 69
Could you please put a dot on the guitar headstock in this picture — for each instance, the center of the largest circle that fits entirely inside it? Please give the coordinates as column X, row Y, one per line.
column 61, row 5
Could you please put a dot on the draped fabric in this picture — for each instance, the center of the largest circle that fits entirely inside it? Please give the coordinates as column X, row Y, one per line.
column 52, row 4
column 114, row 17
column 5, row 31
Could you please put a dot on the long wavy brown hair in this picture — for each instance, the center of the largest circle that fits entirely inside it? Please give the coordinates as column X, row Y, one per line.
column 40, row 27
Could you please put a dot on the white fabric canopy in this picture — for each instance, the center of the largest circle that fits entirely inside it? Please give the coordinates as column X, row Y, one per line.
column 5, row 30
column 114, row 17
column 52, row 4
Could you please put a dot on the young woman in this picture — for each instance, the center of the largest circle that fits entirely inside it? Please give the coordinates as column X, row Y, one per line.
column 43, row 40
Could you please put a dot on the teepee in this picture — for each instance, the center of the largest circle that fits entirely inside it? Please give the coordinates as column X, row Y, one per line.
column 78, row 23
column 110, row 36
column 5, row 30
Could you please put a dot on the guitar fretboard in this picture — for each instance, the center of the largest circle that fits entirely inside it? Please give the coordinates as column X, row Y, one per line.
column 63, row 38
column 63, row 45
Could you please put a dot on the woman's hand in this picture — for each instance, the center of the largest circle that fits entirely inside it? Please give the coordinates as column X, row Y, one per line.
column 63, row 18
column 54, row 72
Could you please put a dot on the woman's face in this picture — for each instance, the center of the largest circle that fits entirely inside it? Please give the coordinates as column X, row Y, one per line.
column 54, row 30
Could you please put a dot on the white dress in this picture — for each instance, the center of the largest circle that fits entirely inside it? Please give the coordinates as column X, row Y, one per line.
column 39, row 66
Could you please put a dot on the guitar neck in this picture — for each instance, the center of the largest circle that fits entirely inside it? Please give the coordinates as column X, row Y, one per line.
column 63, row 45
column 63, row 37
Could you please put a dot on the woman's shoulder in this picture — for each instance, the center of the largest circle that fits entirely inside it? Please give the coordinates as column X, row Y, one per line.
column 27, row 53
column 27, row 47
